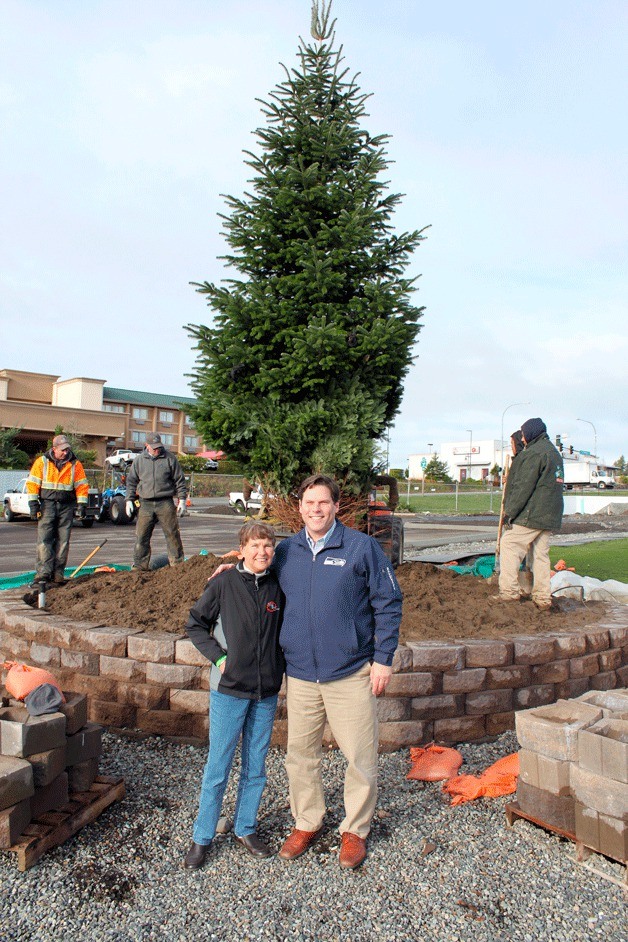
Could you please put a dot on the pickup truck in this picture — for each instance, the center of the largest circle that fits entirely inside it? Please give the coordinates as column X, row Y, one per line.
column 253, row 505
column 15, row 504
column 120, row 459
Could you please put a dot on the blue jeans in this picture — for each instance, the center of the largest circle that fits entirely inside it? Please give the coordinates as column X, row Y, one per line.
column 228, row 718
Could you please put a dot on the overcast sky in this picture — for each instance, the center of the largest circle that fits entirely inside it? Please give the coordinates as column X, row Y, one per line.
column 123, row 122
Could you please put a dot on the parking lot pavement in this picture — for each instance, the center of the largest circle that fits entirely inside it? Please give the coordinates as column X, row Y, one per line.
column 198, row 531
column 201, row 529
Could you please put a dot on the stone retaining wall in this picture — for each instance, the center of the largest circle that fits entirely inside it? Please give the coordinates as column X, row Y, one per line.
column 458, row 691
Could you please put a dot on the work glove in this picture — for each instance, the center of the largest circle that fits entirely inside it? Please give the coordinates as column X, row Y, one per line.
column 180, row 508
column 34, row 508
column 131, row 507
column 81, row 511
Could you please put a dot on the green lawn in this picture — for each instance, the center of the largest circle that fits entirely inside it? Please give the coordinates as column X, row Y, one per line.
column 446, row 503
column 607, row 559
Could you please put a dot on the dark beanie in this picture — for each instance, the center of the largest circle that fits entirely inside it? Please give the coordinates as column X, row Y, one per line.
column 532, row 428
column 517, row 438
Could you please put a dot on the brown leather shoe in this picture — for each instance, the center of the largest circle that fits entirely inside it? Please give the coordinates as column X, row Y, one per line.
column 352, row 850
column 195, row 857
column 297, row 843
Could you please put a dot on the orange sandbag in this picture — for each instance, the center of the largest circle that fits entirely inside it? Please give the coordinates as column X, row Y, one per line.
column 433, row 763
column 22, row 678
column 499, row 779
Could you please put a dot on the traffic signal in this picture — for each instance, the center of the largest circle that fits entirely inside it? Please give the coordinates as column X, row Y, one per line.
column 571, row 449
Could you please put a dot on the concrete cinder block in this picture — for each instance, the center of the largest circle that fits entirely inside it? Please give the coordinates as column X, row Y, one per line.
column 465, row 681
column 126, row 669
column 81, row 776
column 587, row 826
column 533, row 650
column 549, row 775
column 585, row 666
column 434, row 656
column 84, row 745
column 23, row 735
column 157, row 647
column 489, row 701
column 510, row 677
column 603, row 749
column 556, row 811
column 112, row 714
column 173, row 675
column 437, row 707
column 529, row 767
column 613, row 837
column 488, row 653
column 47, row 765
column 13, row 820
column 604, row 795
column 75, row 711
column 417, row 684
column 51, row 797
column 498, row 723
column 16, row 781
column 393, row 736
column 610, row 701
column 460, row 729
column 553, row 730
column 538, row 695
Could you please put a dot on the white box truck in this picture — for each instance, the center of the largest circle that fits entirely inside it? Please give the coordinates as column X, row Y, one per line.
column 585, row 472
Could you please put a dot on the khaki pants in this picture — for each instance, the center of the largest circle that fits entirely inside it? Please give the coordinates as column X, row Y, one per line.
column 515, row 543
column 348, row 705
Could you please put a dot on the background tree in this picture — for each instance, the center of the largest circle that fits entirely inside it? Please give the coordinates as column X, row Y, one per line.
column 620, row 464
column 303, row 368
column 437, row 470
column 10, row 455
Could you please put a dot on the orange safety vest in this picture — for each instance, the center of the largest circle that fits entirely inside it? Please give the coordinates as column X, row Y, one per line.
column 44, row 476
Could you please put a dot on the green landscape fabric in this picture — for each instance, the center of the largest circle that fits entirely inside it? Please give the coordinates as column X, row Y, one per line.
column 483, row 566
column 25, row 578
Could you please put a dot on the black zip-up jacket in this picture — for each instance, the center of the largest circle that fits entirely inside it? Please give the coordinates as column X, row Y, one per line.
column 240, row 615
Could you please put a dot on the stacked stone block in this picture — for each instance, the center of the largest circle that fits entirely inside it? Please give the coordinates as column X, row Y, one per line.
column 452, row 691
column 574, row 769
column 43, row 760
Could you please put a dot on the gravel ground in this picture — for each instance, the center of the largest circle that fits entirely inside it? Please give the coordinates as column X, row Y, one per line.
column 121, row 878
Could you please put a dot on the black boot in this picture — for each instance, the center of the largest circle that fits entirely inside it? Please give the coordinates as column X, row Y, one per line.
column 195, row 857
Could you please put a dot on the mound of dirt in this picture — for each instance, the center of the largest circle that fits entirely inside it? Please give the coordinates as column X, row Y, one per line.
column 438, row 604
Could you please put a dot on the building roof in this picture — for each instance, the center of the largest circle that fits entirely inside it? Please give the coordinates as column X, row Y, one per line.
column 136, row 396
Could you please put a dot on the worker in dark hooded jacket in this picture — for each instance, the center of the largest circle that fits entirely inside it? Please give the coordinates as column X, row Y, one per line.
column 533, row 509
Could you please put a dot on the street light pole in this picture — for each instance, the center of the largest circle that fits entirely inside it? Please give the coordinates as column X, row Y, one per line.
column 594, row 435
column 501, row 441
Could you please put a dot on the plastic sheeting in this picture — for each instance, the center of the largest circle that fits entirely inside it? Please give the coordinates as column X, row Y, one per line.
column 570, row 585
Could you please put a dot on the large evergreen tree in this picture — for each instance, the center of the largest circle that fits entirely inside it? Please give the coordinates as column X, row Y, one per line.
column 303, row 367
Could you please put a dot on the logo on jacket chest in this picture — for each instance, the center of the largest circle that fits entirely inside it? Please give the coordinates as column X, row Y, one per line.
column 272, row 607
column 334, row 561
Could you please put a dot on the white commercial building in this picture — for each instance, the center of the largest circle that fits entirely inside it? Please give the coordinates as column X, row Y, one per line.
column 466, row 459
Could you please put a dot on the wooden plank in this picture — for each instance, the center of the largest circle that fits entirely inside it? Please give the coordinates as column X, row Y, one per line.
column 583, row 852
column 108, row 790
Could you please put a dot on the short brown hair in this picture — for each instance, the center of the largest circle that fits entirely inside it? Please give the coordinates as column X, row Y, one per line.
column 320, row 480
column 256, row 531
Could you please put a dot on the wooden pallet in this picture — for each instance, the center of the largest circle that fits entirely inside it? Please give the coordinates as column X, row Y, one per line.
column 53, row 828
column 513, row 811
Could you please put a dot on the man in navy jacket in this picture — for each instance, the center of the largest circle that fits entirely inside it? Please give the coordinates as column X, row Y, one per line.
column 339, row 635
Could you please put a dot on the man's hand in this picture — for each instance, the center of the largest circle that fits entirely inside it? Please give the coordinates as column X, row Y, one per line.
column 130, row 508
column 180, row 508
column 222, row 568
column 34, row 508
column 81, row 511
column 380, row 678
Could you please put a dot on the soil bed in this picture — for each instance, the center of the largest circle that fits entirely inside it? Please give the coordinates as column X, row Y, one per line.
column 438, row 603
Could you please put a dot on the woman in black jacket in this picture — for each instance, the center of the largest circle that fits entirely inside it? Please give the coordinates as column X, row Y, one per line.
column 235, row 624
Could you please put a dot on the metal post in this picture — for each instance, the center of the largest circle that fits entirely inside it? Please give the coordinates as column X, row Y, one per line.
column 594, row 436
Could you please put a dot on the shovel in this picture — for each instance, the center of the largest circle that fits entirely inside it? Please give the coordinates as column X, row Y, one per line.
column 87, row 558
column 501, row 516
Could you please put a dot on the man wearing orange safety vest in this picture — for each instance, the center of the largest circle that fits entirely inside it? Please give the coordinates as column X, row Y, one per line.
column 56, row 485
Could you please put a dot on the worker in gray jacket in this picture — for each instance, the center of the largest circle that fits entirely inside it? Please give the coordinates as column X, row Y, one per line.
column 156, row 481
column 533, row 509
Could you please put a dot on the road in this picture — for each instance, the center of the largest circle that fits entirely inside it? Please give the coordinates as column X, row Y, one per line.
column 217, row 533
